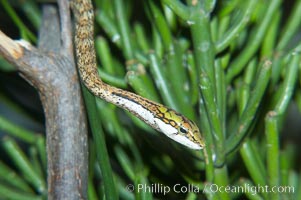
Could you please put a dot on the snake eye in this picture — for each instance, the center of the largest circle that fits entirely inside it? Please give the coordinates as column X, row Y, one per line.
column 183, row 130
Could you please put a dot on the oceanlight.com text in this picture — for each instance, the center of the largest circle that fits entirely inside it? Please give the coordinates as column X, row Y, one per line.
column 247, row 188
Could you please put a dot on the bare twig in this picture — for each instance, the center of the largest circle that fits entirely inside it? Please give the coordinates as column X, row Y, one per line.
column 66, row 28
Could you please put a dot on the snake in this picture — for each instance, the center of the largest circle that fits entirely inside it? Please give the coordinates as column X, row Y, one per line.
column 161, row 118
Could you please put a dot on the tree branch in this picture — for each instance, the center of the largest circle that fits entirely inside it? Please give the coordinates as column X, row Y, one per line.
column 52, row 72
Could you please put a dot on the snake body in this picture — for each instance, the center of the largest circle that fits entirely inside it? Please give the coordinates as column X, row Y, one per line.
column 161, row 118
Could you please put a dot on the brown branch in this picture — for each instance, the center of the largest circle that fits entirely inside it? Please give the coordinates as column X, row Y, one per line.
column 52, row 72
column 66, row 28
column 50, row 24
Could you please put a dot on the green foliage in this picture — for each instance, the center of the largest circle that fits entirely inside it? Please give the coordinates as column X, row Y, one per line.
column 232, row 66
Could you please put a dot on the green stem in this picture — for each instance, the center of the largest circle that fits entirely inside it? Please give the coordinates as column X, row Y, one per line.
column 102, row 153
column 7, row 192
column 214, row 120
column 17, row 131
column 41, row 146
column 253, row 163
column 109, row 27
column 237, row 28
column 123, row 26
column 290, row 28
column 142, row 39
column 193, row 77
column 209, row 149
column 246, row 119
column 25, row 32
column 179, row 8
column 125, row 163
column 24, row 165
column 113, row 80
column 162, row 26
column 32, row 12
column 162, row 85
column 222, row 180
column 142, row 83
column 272, row 148
column 103, row 52
column 239, row 63
column 289, row 84
column 13, row 179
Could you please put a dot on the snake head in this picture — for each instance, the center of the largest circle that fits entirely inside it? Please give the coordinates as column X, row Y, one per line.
column 179, row 128
column 189, row 129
